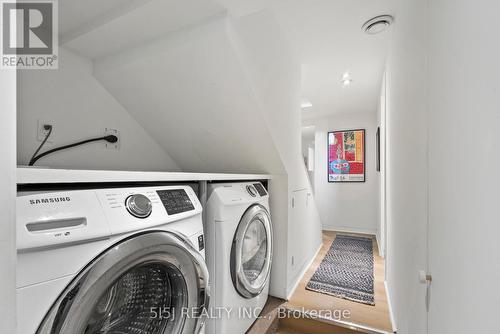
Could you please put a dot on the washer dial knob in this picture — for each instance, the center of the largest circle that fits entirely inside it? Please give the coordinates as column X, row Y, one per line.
column 138, row 205
column 251, row 190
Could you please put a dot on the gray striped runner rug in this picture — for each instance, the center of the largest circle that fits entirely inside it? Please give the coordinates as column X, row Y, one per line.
column 347, row 270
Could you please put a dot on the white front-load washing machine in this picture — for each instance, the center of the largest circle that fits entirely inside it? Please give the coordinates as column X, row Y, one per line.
column 121, row 260
column 239, row 248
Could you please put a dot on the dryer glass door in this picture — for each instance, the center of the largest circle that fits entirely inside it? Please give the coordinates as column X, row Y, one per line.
column 252, row 252
column 146, row 284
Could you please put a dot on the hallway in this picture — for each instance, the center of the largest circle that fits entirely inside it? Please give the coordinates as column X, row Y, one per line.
column 360, row 315
column 374, row 119
column 309, row 312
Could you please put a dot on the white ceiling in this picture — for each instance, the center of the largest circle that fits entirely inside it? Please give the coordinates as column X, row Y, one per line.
column 328, row 38
column 326, row 35
column 130, row 24
column 73, row 14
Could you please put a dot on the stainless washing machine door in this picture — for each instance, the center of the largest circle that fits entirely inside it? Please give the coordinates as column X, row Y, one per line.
column 151, row 283
column 251, row 252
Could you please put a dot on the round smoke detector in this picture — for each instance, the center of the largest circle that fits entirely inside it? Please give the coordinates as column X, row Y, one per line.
column 377, row 24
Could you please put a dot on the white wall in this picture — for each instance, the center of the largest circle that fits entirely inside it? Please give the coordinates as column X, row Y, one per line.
column 442, row 160
column 406, row 125
column 224, row 96
column 7, row 201
column 308, row 144
column 309, row 159
column 219, row 96
column 346, row 206
column 192, row 95
column 381, row 175
column 274, row 74
column 81, row 108
column 464, row 153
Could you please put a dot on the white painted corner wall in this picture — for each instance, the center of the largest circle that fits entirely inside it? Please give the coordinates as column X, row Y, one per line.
column 274, row 74
column 406, row 166
column 7, row 201
column 350, row 207
column 80, row 108
column 193, row 96
column 381, row 175
column 464, row 165
column 442, row 164
column 222, row 95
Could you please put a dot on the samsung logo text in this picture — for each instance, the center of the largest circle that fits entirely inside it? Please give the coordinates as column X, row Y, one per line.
column 49, row 200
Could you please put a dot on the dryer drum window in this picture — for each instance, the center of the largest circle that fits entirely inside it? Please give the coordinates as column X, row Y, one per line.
column 251, row 253
column 254, row 250
column 144, row 284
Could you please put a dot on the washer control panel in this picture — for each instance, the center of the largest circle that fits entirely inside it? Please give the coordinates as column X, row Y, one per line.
column 129, row 209
column 260, row 189
column 175, row 201
column 139, row 205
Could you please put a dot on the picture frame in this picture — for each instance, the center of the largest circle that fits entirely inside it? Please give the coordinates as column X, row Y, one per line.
column 378, row 149
column 346, row 156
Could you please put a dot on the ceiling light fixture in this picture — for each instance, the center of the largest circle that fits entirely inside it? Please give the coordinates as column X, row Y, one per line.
column 378, row 24
column 347, row 82
column 346, row 79
column 305, row 104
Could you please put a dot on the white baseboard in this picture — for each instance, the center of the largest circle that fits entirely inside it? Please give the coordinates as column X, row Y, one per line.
column 380, row 253
column 302, row 272
column 389, row 303
column 349, row 230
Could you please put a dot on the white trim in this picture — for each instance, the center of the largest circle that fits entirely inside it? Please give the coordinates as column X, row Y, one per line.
column 380, row 253
column 349, row 230
column 302, row 272
column 389, row 303
column 33, row 175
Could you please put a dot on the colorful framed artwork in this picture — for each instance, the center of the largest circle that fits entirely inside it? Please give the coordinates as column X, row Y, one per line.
column 346, row 156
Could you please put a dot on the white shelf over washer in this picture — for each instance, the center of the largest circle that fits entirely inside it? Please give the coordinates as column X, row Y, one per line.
column 36, row 175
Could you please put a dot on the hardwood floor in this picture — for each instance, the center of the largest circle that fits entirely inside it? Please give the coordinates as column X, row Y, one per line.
column 308, row 326
column 375, row 317
column 268, row 321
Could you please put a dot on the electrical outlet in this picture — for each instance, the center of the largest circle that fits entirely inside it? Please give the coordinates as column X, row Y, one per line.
column 42, row 132
column 114, row 132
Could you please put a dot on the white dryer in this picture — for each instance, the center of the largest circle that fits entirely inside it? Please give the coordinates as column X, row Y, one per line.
column 238, row 234
column 123, row 260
